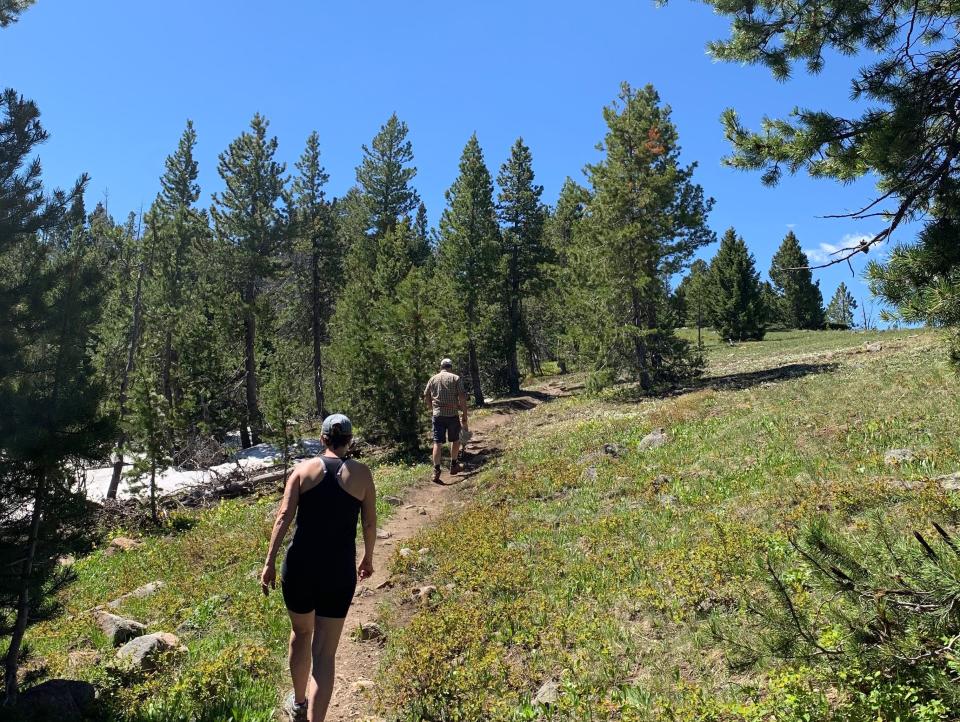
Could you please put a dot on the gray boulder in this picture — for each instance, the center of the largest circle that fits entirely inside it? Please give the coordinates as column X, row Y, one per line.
column 139, row 593
column 62, row 699
column 898, row 456
column 144, row 652
column 118, row 629
column 653, row 440
column 548, row 693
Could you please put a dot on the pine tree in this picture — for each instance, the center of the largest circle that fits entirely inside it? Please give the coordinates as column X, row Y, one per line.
column 248, row 216
column 10, row 10
column 467, row 251
column 50, row 300
column 841, row 308
column 736, row 304
column 694, row 289
column 522, row 249
column 148, row 426
column 319, row 256
column 422, row 251
column 385, row 175
column 647, row 218
column 801, row 300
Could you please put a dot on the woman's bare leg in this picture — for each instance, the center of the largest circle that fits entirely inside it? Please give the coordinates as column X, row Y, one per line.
column 301, row 639
column 326, row 637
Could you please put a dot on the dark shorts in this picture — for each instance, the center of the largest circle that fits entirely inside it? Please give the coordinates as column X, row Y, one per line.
column 324, row 594
column 446, row 428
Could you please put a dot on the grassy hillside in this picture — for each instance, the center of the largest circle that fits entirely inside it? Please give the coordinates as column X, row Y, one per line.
column 620, row 575
column 617, row 576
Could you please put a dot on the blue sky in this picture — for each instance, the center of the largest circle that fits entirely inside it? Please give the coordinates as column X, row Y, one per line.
column 116, row 80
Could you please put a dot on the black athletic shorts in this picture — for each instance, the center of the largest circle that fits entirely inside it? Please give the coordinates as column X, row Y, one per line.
column 319, row 591
column 446, row 428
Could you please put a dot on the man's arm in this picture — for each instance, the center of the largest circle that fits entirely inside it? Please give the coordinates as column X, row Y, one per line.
column 428, row 397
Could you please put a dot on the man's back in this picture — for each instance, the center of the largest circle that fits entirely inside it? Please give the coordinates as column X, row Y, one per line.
column 445, row 389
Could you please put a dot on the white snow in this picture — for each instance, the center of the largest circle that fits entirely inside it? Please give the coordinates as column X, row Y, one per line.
column 173, row 479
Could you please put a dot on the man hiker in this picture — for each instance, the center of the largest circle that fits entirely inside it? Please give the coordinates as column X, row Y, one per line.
column 445, row 395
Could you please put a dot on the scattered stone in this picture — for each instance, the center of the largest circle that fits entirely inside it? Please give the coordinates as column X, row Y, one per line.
column 65, row 700
column 449, row 586
column 548, row 693
column 67, row 560
column 122, row 544
column 668, row 500
column 139, row 593
column 656, row 438
column 423, row 550
column 873, row 347
column 422, row 595
column 612, row 450
column 421, row 511
column 393, row 500
column 83, row 658
column 382, row 534
column 405, row 552
column 371, row 632
column 590, row 473
column 362, row 686
column 118, row 629
column 898, row 456
column 144, row 652
column 949, row 482
column 660, row 482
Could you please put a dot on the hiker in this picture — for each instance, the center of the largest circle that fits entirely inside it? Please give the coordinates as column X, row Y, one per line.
column 325, row 494
column 445, row 396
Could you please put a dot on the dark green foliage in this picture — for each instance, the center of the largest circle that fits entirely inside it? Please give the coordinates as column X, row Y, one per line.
column 694, row 292
column 249, row 218
column 523, row 252
column 384, row 176
column 10, row 10
column 645, row 219
column 800, row 300
column 841, row 307
column 737, row 310
column 467, row 258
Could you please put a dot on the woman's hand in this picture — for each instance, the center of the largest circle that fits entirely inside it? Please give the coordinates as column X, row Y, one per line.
column 365, row 570
column 268, row 578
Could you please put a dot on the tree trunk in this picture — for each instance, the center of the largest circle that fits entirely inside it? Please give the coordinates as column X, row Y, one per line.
column 134, row 339
column 250, row 364
column 12, row 660
column 639, row 346
column 244, row 435
column 153, row 492
column 475, row 373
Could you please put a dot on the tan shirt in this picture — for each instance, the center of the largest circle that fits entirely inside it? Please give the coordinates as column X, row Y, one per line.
column 444, row 390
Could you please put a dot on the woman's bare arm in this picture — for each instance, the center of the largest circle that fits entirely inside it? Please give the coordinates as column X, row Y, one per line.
column 285, row 516
column 368, row 520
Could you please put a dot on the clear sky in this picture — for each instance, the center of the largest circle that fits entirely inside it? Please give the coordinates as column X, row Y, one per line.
column 116, row 80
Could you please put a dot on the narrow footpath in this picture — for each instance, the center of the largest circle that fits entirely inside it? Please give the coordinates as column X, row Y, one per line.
column 423, row 503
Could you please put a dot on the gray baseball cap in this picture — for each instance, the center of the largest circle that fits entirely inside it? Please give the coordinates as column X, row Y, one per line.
column 346, row 426
column 446, row 363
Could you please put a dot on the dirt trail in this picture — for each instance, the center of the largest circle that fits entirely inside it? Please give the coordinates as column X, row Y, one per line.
column 422, row 505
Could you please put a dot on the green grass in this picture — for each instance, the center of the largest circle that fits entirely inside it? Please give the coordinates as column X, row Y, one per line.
column 607, row 575
column 235, row 636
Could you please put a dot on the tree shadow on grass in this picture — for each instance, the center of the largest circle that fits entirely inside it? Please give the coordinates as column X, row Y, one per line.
column 750, row 379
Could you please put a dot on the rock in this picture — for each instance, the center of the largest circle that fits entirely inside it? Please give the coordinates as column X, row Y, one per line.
column 371, row 632
column 423, row 550
column 422, row 595
column 118, row 629
column 873, row 347
column 362, row 686
column 612, row 450
column 949, row 482
column 898, row 456
column 122, row 544
column 139, row 593
column 393, row 500
column 83, row 658
column 144, row 652
column 590, row 473
column 656, row 438
column 62, row 699
column 660, row 482
column 382, row 534
column 667, row 500
column 548, row 693
column 405, row 552
column 67, row 560
column 421, row 511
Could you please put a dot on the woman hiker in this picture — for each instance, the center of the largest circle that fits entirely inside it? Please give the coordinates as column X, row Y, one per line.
column 326, row 495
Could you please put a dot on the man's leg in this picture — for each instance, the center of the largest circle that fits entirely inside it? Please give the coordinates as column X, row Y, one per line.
column 325, row 641
column 437, row 453
column 301, row 638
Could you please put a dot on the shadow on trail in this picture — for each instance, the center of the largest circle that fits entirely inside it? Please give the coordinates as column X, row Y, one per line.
column 749, row 379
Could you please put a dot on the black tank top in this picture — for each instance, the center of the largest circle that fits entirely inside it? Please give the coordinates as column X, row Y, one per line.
column 326, row 530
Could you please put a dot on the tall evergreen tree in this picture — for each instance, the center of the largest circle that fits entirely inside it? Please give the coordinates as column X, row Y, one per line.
column 319, row 256
column 647, row 218
column 10, row 10
column 522, row 247
column 50, row 300
column 385, row 174
column 248, row 215
column 468, row 247
column 841, row 307
column 801, row 300
column 737, row 310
